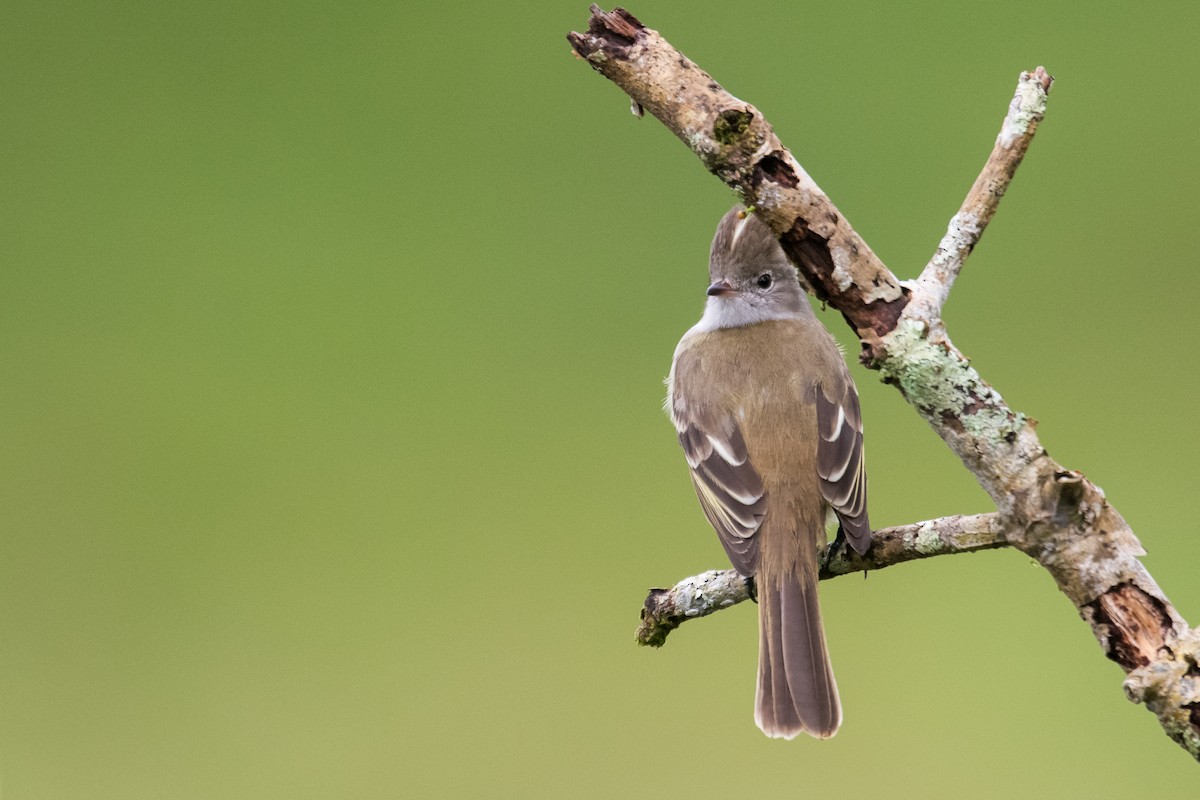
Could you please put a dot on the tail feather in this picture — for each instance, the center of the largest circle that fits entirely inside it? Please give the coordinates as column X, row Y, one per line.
column 796, row 690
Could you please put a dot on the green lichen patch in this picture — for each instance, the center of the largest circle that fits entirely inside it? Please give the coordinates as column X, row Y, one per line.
column 1027, row 110
column 944, row 386
column 928, row 542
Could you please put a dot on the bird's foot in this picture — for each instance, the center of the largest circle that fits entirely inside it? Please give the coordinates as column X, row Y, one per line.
column 834, row 549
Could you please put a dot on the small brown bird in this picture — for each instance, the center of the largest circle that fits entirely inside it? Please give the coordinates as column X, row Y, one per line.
column 769, row 422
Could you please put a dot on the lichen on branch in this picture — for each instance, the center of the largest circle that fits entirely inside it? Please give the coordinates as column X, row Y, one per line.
column 1053, row 514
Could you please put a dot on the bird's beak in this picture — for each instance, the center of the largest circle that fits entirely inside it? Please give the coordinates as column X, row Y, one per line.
column 721, row 287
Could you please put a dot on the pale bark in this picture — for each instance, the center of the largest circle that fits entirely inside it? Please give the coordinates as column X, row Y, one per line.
column 695, row 597
column 1053, row 514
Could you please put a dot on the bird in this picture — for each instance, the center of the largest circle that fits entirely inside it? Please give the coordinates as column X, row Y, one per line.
column 770, row 424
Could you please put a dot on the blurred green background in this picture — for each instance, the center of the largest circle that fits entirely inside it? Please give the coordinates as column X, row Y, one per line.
column 332, row 340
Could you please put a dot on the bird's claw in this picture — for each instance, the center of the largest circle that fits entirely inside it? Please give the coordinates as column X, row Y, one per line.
column 834, row 549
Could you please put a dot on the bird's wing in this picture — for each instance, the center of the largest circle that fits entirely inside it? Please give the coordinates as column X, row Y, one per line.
column 730, row 489
column 840, row 461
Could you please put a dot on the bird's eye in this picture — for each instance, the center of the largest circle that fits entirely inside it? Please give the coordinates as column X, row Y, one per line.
column 764, row 281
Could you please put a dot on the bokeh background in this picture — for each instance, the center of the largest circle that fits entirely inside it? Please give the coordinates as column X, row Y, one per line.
column 332, row 337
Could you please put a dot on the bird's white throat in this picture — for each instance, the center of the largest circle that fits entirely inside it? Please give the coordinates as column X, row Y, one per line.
column 737, row 310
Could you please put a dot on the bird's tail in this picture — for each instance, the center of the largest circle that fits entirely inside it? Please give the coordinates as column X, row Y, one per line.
column 796, row 690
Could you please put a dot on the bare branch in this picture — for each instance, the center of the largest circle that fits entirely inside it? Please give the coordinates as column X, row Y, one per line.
column 1027, row 109
column 704, row 594
column 1053, row 514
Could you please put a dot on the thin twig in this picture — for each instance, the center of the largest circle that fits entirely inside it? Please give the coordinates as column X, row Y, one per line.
column 704, row 594
column 1026, row 110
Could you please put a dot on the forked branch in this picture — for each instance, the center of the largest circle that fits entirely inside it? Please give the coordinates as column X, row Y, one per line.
column 1054, row 515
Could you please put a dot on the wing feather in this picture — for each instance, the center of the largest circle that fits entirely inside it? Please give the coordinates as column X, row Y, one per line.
column 730, row 490
column 840, row 460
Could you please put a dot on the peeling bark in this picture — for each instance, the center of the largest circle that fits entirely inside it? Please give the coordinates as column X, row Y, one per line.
column 735, row 142
column 1053, row 514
